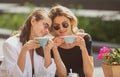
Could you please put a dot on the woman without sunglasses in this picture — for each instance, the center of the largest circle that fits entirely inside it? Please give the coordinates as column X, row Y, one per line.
column 76, row 56
column 24, row 57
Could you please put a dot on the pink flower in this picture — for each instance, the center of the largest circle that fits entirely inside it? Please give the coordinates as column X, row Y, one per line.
column 104, row 50
column 100, row 56
column 110, row 56
column 102, row 53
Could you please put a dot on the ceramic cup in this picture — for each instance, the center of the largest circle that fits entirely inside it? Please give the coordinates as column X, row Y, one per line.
column 69, row 39
column 42, row 40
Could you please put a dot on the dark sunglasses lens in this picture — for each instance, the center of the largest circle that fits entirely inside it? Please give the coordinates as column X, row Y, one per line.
column 56, row 27
column 65, row 25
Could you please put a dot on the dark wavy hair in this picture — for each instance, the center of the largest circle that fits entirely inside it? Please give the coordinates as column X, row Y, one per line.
column 39, row 14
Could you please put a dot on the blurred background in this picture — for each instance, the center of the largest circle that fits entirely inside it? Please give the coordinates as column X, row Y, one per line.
column 99, row 18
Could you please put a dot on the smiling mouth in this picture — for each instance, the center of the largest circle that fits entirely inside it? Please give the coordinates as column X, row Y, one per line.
column 63, row 32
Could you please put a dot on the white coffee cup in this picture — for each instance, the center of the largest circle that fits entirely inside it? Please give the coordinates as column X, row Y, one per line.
column 42, row 40
column 69, row 39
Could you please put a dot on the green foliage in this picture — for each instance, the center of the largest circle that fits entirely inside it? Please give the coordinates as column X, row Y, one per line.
column 113, row 57
column 107, row 31
column 29, row 5
column 12, row 21
column 110, row 56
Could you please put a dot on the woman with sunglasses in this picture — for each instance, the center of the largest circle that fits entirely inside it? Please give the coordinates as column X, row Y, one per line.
column 78, row 55
column 25, row 57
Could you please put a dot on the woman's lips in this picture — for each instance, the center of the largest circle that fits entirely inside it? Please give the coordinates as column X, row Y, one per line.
column 62, row 32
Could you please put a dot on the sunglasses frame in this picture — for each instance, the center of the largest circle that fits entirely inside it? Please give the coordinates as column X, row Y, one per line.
column 57, row 27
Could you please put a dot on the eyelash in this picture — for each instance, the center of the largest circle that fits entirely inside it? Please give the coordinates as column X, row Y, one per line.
column 46, row 25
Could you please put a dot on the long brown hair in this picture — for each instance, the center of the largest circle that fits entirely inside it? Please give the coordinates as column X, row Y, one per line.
column 39, row 14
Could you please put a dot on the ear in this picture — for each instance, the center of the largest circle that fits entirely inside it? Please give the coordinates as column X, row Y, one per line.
column 33, row 21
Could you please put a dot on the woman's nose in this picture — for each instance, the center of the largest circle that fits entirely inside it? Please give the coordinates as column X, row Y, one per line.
column 61, row 28
column 47, row 30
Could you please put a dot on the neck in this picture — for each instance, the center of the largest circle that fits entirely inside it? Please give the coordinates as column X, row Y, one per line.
column 32, row 34
column 67, row 46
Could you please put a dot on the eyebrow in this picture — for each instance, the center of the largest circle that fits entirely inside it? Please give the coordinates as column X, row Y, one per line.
column 45, row 23
column 62, row 22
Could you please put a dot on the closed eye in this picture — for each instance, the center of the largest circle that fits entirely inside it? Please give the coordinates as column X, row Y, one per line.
column 46, row 25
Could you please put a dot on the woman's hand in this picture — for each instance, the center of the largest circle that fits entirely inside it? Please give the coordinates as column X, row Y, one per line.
column 31, row 44
column 79, row 41
column 58, row 41
column 49, row 46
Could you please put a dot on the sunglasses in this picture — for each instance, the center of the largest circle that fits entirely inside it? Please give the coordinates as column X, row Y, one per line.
column 57, row 27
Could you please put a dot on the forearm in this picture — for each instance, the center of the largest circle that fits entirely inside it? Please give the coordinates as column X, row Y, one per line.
column 88, row 66
column 21, row 59
column 61, row 69
column 47, row 58
column 11, row 58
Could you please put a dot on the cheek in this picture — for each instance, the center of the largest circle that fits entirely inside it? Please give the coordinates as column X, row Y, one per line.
column 40, row 26
column 56, row 31
column 70, row 28
column 38, row 29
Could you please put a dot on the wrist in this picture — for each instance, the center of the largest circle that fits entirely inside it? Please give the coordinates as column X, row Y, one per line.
column 23, row 52
column 47, row 53
column 46, row 49
column 83, row 49
column 24, row 49
column 54, row 49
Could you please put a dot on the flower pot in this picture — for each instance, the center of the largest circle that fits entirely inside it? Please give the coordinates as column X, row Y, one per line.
column 111, row 70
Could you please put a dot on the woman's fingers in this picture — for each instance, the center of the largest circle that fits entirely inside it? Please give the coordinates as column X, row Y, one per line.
column 31, row 44
column 59, row 40
column 79, row 41
column 50, row 44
